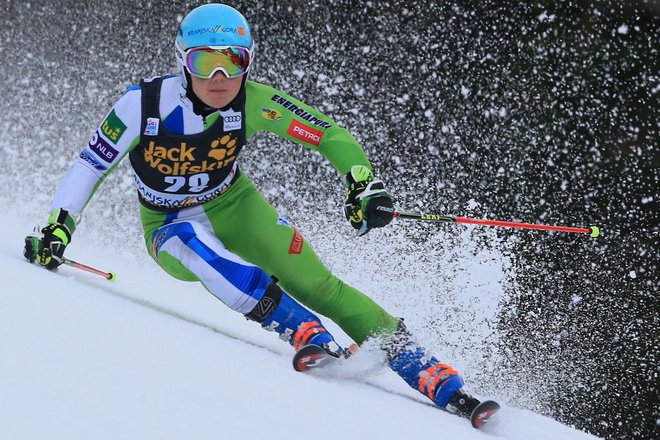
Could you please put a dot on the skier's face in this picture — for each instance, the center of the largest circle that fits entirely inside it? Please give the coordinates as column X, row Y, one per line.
column 217, row 91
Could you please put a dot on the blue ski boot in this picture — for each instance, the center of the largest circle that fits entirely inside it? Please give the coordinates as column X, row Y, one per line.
column 277, row 311
column 423, row 372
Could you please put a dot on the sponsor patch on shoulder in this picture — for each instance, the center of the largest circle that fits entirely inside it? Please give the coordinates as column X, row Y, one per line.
column 305, row 133
column 270, row 114
column 113, row 127
column 102, row 148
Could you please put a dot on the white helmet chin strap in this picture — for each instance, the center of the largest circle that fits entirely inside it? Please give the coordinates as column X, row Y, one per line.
column 179, row 54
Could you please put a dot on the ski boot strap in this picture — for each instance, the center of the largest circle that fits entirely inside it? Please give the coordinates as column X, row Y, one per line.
column 434, row 377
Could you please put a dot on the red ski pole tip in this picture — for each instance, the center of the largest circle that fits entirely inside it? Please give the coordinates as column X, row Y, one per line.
column 595, row 231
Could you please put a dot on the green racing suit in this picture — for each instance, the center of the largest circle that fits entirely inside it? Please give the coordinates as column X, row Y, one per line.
column 186, row 170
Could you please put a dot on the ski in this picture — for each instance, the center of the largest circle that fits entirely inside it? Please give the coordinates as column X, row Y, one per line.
column 312, row 356
column 483, row 412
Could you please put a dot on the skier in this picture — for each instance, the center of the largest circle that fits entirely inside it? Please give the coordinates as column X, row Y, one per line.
column 204, row 220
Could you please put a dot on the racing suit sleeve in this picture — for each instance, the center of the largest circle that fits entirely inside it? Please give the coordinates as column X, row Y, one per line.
column 117, row 135
column 269, row 109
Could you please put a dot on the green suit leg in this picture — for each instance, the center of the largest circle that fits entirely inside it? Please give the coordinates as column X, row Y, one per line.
column 248, row 226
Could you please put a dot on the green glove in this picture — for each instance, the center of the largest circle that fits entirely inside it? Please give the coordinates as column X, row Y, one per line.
column 45, row 247
column 368, row 205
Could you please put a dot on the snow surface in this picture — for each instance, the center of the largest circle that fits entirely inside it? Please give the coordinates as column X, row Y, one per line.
column 149, row 357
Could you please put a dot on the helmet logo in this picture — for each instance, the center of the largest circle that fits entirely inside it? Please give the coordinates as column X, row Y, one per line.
column 218, row 29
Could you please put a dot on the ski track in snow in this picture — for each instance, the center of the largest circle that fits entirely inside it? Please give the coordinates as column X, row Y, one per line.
column 149, row 357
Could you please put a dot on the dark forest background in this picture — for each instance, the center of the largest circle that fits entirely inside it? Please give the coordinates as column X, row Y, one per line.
column 543, row 111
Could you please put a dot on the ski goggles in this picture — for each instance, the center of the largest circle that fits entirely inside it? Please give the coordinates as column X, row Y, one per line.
column 204, row 62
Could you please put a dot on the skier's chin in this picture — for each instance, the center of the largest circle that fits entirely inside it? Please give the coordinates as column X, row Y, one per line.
column 217, row 99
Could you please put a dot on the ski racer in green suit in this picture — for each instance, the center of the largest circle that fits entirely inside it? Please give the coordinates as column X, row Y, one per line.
column 204, row 220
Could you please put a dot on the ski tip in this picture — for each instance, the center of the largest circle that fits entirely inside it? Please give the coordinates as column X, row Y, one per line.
column 308, row 357
column 483, row 412
column 299, row 366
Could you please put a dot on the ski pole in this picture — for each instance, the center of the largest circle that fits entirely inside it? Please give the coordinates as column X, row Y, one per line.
column 107, row 275
column 593, row 231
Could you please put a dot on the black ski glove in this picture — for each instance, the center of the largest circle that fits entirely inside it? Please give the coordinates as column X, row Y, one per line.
column 45, row 247
column 368, row 205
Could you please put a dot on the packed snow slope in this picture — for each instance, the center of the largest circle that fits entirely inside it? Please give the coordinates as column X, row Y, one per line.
column 149, row 357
